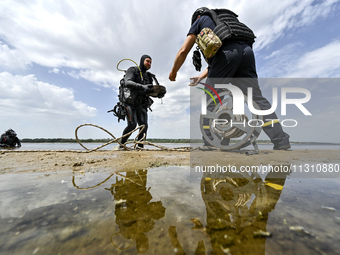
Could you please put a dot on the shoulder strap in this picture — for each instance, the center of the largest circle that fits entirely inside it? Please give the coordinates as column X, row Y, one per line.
column 139, row 72
column 214, row 12
column 153, row 77
column 224, row 11
column 212, row 15
column 228, row 25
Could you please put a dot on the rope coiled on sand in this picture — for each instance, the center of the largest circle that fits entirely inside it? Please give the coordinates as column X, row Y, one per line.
column 125, row 146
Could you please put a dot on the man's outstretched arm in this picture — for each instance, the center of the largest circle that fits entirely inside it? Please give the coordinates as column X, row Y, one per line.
column 182, row 55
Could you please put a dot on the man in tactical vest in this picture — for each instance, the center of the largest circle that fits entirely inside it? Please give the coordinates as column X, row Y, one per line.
column 138, row 82
column 234, row 59
column 9, row 139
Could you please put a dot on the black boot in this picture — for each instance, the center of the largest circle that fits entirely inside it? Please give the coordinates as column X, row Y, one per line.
column 282, row 145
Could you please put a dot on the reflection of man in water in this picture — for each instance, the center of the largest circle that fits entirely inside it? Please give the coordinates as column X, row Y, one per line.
column 232, row 214
column 237, row 212
column 135, row 214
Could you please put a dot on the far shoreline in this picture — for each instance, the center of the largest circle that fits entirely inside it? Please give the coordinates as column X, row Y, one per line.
column 152, row 140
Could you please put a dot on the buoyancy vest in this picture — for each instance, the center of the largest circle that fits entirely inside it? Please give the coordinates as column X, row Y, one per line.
column 132, row 95
column 228, row 27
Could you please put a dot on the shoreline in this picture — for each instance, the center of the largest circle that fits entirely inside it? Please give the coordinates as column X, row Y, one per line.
column 54, row 161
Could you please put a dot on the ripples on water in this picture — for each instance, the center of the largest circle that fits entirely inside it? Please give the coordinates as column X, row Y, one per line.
column 164, row 211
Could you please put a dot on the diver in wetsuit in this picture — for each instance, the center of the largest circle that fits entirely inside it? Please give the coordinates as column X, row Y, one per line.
column 139, row 82
column 135, row 210
column 9, row 139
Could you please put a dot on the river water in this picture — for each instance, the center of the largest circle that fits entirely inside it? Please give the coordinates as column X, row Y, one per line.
column 76, row 146
column 165, row 211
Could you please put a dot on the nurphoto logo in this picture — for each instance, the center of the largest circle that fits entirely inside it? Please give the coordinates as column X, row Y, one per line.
column 239, row 102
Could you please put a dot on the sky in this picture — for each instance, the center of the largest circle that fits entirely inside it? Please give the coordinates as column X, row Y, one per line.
column 59, row 59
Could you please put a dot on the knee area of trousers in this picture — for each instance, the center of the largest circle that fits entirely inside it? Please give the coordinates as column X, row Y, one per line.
column 132, row 125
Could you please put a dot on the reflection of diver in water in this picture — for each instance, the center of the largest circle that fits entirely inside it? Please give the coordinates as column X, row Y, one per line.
column 135, row 214
column 9, row 139
column 237, row 206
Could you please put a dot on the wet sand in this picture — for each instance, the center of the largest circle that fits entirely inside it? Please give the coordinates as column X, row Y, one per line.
column 24, row 162
column 118, row 202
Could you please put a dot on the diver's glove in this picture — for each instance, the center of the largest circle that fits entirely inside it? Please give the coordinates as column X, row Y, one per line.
column 148, row 88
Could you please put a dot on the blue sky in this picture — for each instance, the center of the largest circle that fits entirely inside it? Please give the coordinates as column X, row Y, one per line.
column 58, row 61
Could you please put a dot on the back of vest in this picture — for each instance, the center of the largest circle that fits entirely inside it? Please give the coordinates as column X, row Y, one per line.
column 229, row 27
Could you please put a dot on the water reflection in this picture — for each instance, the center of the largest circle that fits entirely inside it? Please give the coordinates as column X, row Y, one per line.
column 214, row 214
column 237, row 207
column 135, row 214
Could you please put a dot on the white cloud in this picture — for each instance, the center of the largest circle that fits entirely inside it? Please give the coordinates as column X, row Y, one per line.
column 38, row 109
column 86, row 40
column 274, row 19
column 279, row 61
column 11, row 58
column 288, row 62
column 323, row 62
column 54, row 70
column 104, row 78
column 95, row 35
column 73, row 74
column 25, row 94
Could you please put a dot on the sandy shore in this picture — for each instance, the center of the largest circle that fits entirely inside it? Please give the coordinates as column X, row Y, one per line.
column 25, row 162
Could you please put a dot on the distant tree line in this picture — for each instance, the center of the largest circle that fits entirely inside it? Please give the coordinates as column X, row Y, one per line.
column 71, row 140
column 61, row 140
column 152, row 140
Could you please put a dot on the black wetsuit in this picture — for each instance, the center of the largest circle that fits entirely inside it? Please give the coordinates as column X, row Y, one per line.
column 9, row 141
column 235, row 59
column 137, row 112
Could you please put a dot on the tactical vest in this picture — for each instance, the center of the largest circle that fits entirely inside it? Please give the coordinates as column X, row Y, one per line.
column 228, row 27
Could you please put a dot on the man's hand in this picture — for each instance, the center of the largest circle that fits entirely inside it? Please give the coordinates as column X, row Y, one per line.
column 148, row 88
column 172, row 76
column 194, row 81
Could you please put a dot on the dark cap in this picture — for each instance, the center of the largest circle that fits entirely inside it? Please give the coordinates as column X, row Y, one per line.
column 198, row 12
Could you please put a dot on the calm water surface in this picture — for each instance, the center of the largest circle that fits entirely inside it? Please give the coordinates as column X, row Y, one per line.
column 164, row 211
column 76, row 146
